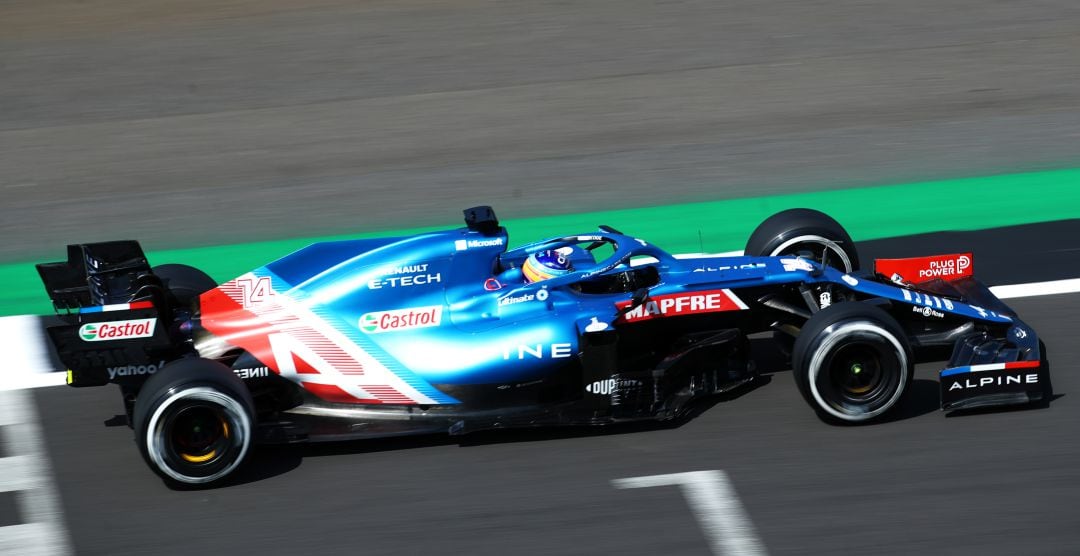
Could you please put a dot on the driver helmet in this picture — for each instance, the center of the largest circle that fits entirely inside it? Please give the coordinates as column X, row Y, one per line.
column 544, row 265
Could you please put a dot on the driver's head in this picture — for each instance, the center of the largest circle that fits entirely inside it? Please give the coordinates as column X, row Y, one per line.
column 544, row 265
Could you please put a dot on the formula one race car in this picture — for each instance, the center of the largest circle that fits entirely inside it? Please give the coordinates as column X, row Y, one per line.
column 451, row 332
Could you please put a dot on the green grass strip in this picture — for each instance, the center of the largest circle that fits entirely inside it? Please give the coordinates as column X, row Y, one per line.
column 867, row 213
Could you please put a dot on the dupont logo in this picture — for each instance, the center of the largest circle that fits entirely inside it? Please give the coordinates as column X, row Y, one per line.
column 401, row 319
column 119, row 330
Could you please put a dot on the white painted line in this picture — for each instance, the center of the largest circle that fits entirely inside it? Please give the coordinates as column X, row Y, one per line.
column 30, row 472
column 26, row 354
column 33, row 380
column 33, row 539
column 716, row 507
column 19, row 473
column 1037, row 288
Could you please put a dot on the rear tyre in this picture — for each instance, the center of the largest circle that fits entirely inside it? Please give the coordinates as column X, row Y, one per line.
column 185, row 283
column 193, row 422
column 804, row 233
column 852, row 363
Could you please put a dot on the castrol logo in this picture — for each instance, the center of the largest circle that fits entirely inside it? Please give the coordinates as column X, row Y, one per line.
column 401, row 319
column 117, row 330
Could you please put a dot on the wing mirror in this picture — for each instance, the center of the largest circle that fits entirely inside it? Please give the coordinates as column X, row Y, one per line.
column 640, row 296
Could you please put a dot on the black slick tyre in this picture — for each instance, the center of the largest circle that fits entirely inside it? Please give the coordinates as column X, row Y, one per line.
column 185, row 283
column 852, row 363
column 807, row 233
column 194, row 421
column 804, row 233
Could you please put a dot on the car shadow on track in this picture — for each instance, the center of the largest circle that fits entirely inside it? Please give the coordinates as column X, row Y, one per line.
column 922, row 398
column 269, row 461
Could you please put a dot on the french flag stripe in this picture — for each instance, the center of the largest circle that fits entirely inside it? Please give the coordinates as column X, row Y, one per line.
column 991, row 367
column 117, row 307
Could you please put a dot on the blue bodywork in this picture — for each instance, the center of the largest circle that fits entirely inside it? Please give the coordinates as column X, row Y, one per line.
column 442, row 332
column 487, row 326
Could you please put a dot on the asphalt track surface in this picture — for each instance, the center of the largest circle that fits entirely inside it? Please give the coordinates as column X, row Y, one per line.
column 991, row 483
column 220, row 121
column 204, row 122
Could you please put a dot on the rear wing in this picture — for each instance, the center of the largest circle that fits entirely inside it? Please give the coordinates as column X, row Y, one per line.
column 96, row 274
column 117, row 321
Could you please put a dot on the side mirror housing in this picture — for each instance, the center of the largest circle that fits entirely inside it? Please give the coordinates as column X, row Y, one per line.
column 640, row 296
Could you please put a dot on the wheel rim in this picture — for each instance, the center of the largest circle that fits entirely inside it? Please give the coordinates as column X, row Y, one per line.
column 818, row 249
column 198, row 435
column 858, row 371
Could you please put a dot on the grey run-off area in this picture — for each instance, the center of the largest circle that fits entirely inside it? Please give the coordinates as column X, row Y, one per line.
column 198, row 122
column 996, row 483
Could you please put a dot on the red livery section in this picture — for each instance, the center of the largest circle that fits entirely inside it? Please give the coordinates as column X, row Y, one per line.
column 679, row 304
column 924, row 269
column 332, row 393
column 320, row 365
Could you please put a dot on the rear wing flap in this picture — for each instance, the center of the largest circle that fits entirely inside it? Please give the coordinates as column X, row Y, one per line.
column 98, row 274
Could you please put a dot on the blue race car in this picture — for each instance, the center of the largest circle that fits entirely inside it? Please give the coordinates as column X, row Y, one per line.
column 451, row 332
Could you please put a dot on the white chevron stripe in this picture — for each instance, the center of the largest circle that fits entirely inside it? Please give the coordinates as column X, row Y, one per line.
column 29, row 471
column 375, row 373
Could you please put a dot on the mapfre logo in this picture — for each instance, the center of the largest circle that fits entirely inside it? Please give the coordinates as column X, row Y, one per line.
column 401, row 319
column 118, row 330
column 672, row 305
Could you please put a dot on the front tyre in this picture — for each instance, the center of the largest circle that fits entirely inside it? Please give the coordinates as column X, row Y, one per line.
column 852, row 363
column 808, row 234
column 805, row 233
column 194, row 422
